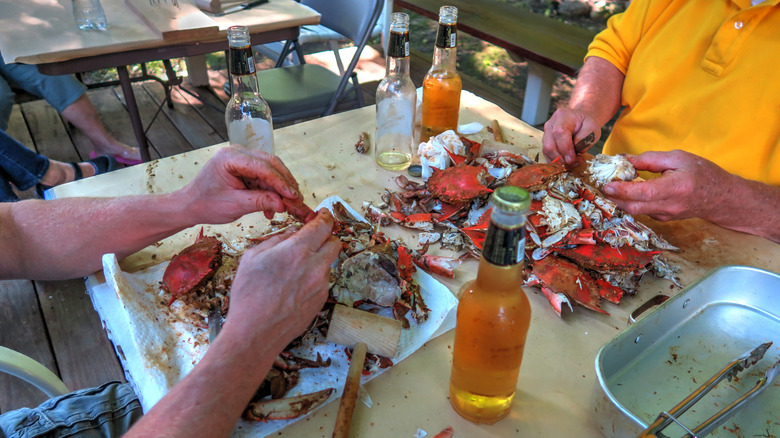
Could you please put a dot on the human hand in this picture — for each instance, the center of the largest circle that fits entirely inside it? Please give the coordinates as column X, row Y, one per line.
column 689, row 186
column 237, row 181
column 566, row 127
column 283, row 282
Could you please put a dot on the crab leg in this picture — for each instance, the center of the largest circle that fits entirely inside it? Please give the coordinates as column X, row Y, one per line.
column 286, row 408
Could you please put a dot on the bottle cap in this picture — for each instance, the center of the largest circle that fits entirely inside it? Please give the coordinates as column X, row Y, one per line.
column 511, row 199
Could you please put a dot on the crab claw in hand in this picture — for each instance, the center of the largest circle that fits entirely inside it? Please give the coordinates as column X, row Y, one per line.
column 238, row 181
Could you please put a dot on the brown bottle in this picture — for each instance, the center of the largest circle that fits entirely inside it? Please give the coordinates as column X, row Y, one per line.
column 493, row 316
column 442, row 84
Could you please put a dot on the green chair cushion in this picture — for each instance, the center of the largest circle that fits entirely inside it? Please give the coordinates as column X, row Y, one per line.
column 306, row 88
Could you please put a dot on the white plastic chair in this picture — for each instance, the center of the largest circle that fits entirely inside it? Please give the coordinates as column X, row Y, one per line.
column 31, row 371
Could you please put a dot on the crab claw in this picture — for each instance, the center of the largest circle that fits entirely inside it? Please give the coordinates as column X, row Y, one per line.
column 286, row 408
column 556, row 299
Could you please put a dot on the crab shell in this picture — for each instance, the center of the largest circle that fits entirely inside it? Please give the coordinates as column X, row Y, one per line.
column 458, row 184
column 607, row 258
column 535, row 176
column 561, row 275
column 192, row 267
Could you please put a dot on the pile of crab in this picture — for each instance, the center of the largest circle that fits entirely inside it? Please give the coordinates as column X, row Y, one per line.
column 373, row 272
column 580, row 246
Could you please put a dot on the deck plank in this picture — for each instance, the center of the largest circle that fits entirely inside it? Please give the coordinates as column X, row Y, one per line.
column 164, row 138
column 23, row 330
column 206, row 105
column 84, row 354
column 198, row 131
column 48, row 131
column 17, row 128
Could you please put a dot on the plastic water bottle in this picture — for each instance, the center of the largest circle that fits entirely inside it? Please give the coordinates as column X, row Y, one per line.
column 89, row 15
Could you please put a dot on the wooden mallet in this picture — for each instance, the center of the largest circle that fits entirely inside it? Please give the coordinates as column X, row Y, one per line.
column 363, row 332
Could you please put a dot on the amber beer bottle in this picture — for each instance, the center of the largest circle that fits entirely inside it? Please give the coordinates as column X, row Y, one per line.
column 442, row 85
column 493, row 316
column 247, row 116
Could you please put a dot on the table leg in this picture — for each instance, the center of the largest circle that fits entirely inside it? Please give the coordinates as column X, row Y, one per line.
column 132, row 109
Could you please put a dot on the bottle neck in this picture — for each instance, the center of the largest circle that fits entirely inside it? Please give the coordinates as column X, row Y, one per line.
column 444, row 53
column 504, row 250
column 444, row 59
column 492, row 277
column 242, row 71
column 397, row 66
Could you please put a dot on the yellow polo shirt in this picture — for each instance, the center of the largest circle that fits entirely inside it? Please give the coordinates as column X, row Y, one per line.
column 702, row 76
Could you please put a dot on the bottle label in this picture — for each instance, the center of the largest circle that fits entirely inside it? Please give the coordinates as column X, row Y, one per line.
column 398, row 46
column 447, row 36
column 241, row 61
column 504, row 247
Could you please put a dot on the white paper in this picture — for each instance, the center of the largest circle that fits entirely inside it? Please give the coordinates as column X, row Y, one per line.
column 157, row 351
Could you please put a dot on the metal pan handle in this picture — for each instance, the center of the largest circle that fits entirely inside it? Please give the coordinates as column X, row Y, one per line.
column 647, row 305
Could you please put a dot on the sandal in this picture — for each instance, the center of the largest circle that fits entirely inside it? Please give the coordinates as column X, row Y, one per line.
column 119, row 158
column 102, row 164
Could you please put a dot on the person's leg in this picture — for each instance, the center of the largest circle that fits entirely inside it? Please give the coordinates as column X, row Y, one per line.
column 84, row 116
column 68, row 96
column 6, row 101
column 25, row 168
column 7, row 193
column 106, row 411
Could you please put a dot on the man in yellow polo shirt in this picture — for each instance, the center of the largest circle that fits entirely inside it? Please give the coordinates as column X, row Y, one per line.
column 699, row 84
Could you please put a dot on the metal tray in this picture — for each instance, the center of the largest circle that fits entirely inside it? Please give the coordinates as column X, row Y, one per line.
column 655, row 363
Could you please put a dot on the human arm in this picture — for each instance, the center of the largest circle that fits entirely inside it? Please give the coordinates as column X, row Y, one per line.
column 594, row 100
column 690, row 186
column 66, row 238
column 279, row 287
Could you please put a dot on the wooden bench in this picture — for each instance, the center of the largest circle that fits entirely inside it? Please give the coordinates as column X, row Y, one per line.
column 549, row 45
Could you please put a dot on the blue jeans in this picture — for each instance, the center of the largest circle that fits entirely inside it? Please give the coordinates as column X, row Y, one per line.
column 59, row 91
column 106, row 411
column 20, row 166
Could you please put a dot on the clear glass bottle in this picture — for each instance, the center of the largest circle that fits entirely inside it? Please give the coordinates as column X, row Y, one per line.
column 442, row 84
column 89, row 15
column 493, row 316
column 396, row 100
column 247, row 116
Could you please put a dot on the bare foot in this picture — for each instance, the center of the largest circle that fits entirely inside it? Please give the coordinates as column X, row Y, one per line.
column 119, row 150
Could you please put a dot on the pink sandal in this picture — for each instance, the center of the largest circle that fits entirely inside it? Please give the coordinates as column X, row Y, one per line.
column 119, row 158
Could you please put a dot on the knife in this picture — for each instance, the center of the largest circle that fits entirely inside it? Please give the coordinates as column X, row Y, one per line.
column 241, row 7
column 585, row 143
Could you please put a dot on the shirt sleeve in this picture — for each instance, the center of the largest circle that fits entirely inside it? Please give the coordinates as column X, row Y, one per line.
column 617, row 42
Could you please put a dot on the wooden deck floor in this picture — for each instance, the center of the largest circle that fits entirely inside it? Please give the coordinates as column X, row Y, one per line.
column 54, row 321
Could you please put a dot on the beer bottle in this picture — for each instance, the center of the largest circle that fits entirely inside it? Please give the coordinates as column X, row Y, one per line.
column 396, row 99
column 493, row 316
column 442, row 85
column 247, row 116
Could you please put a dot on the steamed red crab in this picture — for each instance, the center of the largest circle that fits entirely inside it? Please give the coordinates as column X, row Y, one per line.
column 580, row 247
column 192, row 267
